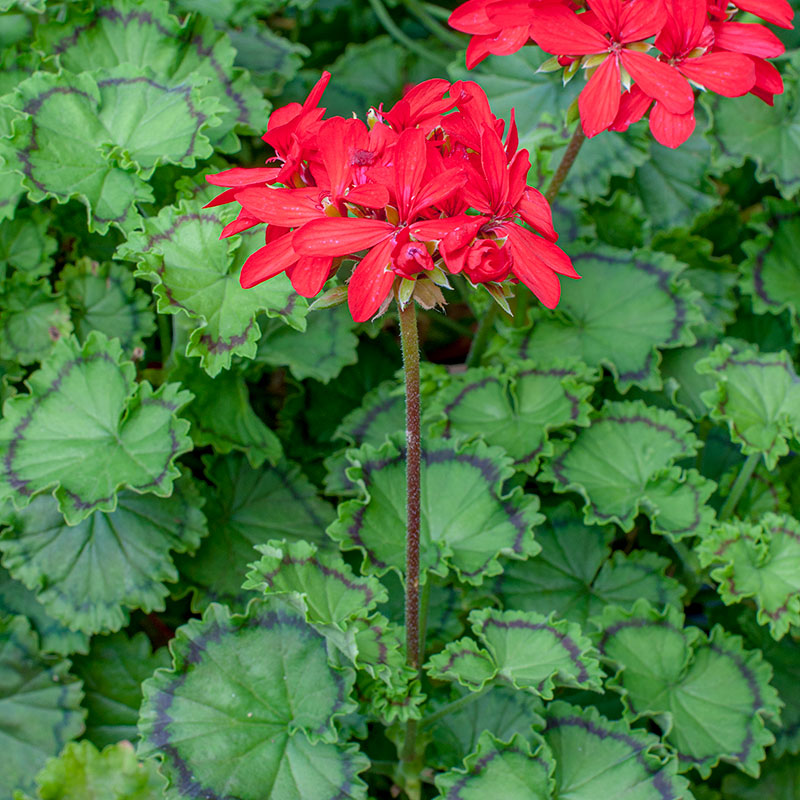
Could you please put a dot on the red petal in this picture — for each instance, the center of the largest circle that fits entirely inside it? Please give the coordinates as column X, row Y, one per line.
column 536, row 211
column 671, row 130
column 495, row 167
column 432, row 230
column 410, row 160
column 287, row 207
column 684, row 27
column 241, row 223
column 241, row 176
column 369, row 195
column 558, row 30
column 640, row 19
column 315, row 95
column 660, row 81
column 632, row 107
column 268, row 262
column 309, row 274
column 340, row 236
column 749, row 38
column 531, row 269
column 599, row 101
column 228, row 196
column 768, row 79
column 535, row 247
column 470, row 17
column 778, row 12
column 370, row 282
column 336, row 142
column 438, row 189
column 728, row 74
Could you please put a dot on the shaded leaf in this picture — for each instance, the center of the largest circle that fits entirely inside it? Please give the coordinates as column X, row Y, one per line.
column 779, row 780
column 25, row 244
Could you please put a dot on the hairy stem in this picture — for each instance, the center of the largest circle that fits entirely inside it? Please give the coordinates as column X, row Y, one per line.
column 394, row 31
column 456, row 705
column 567, row 161
column 742, row 479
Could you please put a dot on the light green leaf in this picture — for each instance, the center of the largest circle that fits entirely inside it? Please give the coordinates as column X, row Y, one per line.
column 708, row 694
column 85, row 407
column 89, row 574
column 39, row 705
column 112, row 675
column 757, row 395
column 249, row 708
column 622, row 465
column 467, row 521
column 463, row 661
column 25, row 245
column 761, row 561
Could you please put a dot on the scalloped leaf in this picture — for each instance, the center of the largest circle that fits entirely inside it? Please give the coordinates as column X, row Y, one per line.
column 622, row 465
column 504, row 769
column 626, row 307
column 467, row 520
column 761, row 561
column 39, row 705
column 596, row 758
column 85, row 407
column 515, row 408
column 576, row 575
column 103, row 297
column 98, row 137
column 757, row 395
column 251, row 704
column 708, row 694
column 25, row 245
column 250, row 507
column 33, row 319
column 82, row 771
column 89, row 574
column 112, row 675
column 197, row 275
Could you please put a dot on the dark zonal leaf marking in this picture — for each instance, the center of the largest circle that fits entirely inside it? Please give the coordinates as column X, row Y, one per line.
column 467, row 519
column 709, row 695
column 761, row 561
column 269, row 720
column 757, row 395
column 39, row 705
column 85, row 407
column 623, row 465
column 624, row 309
column 89, row 575
column 597, row 758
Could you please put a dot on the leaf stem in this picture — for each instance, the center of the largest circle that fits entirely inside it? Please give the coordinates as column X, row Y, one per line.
column 567, row 160
column 481, row 340
column 444, row 35
column 745, row 473
column 394, row 31
column 456, row 705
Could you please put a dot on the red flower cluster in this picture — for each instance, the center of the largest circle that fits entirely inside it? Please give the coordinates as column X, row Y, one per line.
column 428, row 187
column 697, row 43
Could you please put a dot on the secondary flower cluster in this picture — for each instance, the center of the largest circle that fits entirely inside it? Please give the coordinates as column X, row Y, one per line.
column 430, row 186
column 697, row 43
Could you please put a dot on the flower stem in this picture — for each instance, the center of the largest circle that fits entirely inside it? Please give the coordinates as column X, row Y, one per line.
column 567, row 161
column 746, row 472
column 394, row 31
column 456, row 705
column 481, row 340
column 444, row 35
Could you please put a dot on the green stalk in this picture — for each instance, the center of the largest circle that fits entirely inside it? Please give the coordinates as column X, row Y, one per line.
column 745, row 473
column 456, row 705
column 391, row 28
column 567, row 160
column 443, row 34
column 481, row 340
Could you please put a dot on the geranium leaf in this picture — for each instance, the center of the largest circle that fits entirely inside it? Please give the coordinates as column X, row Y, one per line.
column 104, row 297
column 272, row 60
column 761, row 561
column 250, row 507
column 282, row 708
column 596, row 757
column 197, row 275
column 85, row 407
column 467, row 519
column 83, row 771
column 39, row 705
column 779, row 780
column 25, row 245
column 327, row 345
column 708, row 694
column 576, row 575
column 74, row 142
column 112, row 675
column 88, row 575
column 516, row 407
column 621, row 466
column 766, row 491
column 505, row 769
column 757, row 395
column 463, row 661
column 328, row 591
column 624, row 309
column 684, row 384
column 33, row 319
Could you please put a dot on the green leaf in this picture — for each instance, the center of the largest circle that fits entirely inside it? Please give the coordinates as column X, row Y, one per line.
column 757, row 395
column 85, row 407
column 39, row 705
column 98, row 136
column 622, row 465
column 104, row 297
column 779, row 780
column 11, row 189
column 504, row 769
column 463, row 661
column 624, row 309
column 576, row 575
column 25, row 245
column 271, row 59
column 250, row 507
column 249, row 708
column 467, row 520
column 708, row 694
column 765, row 491
column 745, row 128
column 683, row 383
column 596, row 758
column 197, row 275
column 81, row 771
column 761, row 561
column 327, row 345
column 33, row 319
column 515, row 407
column 89, row 574
column 112, row 675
